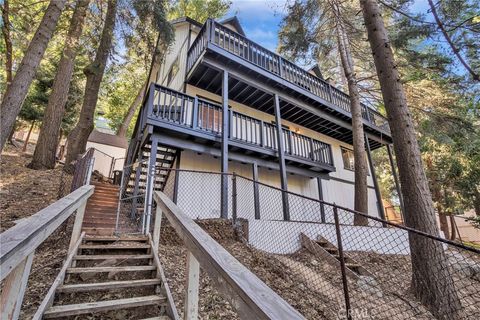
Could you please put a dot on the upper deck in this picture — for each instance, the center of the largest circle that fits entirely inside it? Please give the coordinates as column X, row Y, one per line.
column 255, row 73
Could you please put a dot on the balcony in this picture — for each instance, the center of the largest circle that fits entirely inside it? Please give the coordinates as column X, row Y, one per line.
column 181, row 115
column 224, row 43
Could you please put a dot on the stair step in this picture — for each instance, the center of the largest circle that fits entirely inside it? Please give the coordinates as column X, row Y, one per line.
column 352, row 265
column 111, row 269
column 83, row 308
column 158, row 318
column 113, row 257
column 82, row 287
column 113, row 246
column 113, row 238
column 97, row 230
column 334, row 250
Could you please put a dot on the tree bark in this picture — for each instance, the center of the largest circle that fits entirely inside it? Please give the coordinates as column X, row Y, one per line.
column 453, row 226
column 44, row 155
column 8, row 41
column 18, row 89
column 447, row 37
column 25, row 144
column 77, row 139
column 360, row 157
column 431, row 281
column 444, row 224
column 476, row 202
column 122, row 131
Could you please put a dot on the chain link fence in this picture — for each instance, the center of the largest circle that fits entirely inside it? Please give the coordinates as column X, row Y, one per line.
column 347, row 265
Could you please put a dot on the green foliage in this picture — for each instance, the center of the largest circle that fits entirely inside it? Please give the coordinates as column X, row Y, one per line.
column 199, row 10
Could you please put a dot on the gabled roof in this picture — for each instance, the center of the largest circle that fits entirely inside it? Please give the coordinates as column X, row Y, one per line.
column 186, row 19
column 235, row 23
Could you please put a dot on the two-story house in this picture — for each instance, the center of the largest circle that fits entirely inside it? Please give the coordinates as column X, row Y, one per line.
column 218, row 102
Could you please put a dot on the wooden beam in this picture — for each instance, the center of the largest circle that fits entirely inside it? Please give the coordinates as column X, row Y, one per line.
column 252, row 298
column 77, row 226
column 192, row 287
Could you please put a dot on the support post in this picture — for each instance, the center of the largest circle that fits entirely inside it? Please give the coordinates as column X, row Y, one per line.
column 234, row 197
column 320, row 197
column 14, row 288
column 395, row 178
column 138, row 173
column 177, row 176
column 77, row 226
column 224, row 165
column 152, row 161
column 193, row 280
column 342, row 262
column 281, row 159
column 256, row 193
column 378, row 195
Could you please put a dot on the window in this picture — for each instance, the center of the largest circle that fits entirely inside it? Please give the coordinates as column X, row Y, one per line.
column 348, row 160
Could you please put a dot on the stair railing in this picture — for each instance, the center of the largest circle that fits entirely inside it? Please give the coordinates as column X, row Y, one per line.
column 18, row 245
column 251, row 297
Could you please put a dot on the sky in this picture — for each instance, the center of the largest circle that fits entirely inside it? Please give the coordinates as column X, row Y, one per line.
column 260, row 19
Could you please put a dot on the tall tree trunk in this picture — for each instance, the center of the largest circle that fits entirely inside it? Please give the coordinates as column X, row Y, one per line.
column 360, row 157
column 18, row 89
column 453, row 226
column 8, row 41
column 431, row 280
column 122, row 131
column 476, row 202
column 44, row 155
column 447, row 37
column 77, row 139
column 444, row 224
column 25, row 144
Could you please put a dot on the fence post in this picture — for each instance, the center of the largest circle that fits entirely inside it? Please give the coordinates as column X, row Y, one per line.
column 234, row 197
column 342, row 262
column 120, row 194
column 89, row 172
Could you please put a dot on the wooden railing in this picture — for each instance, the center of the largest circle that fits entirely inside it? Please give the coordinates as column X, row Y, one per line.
column 178, row 108
column 251, row 297
column 233, row 42
column 18, row 244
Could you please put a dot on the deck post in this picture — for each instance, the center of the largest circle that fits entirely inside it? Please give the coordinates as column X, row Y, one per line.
column 225, row 131
column 281, row 159
column 77, row 226
column 138, row 173
column 395, row 178
column 256, row 193
column 378, row 195
column 320, row 197
column 193, row 280
column 14, row 288
column 150, row 185
column 177, row 176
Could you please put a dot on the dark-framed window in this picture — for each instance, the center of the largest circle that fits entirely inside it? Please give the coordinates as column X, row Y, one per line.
column 348, row 159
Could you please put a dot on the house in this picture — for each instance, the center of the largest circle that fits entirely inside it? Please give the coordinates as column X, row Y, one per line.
column 109, row 150
column 217, row 103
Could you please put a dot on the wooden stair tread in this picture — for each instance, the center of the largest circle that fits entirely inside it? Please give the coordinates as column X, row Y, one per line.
column 113, row 257
column 83, row 308
column 158, row 318
column 113, row 238
column 111, row 269
column 114, row 246
column 81, row 287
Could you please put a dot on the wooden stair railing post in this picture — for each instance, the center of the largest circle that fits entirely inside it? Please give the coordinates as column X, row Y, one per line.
column 14, row 289
column 157, row 226
column 193, row 282
column 77, row 226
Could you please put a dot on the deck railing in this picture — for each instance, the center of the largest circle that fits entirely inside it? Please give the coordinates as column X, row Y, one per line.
column 192, row 112
column 233, row 42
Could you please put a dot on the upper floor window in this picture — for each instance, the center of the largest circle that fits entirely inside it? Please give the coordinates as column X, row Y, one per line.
column 348, row 160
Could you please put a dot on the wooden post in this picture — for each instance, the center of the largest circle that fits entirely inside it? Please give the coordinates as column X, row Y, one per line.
column 156, row 227
column 14, row 288
column 281, row 159
column 193, row 281
column 320, row 197
column 177, row 176
column 77, row 226
column 397, row 183
column 224, row 147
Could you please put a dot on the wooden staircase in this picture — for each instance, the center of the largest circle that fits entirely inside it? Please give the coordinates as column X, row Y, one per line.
column 106, row 277
column 326, row 251
column 101, row 211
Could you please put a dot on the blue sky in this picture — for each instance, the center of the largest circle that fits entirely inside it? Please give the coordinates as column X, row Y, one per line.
column 260, row 19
